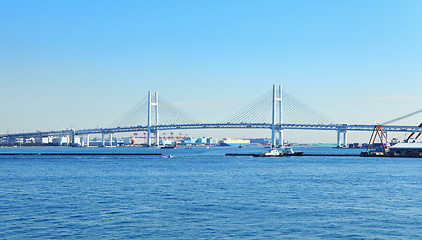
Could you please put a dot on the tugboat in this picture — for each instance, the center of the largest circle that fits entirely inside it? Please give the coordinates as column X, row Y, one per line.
column 272, row 153
column 170, row 146
column 288, row 151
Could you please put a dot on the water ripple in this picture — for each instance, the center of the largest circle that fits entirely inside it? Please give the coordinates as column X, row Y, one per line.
column 204, row 195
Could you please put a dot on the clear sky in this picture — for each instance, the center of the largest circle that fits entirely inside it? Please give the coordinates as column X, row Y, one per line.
column 82, row 64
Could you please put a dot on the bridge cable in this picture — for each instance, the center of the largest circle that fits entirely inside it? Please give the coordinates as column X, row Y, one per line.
column 137, row 112
column 402, row 117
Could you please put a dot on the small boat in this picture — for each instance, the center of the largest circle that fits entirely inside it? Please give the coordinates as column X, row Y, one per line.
column 288, row 151
column 170, row 146
column 272, row 153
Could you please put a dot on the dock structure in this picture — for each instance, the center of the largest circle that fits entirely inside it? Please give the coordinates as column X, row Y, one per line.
column 328, row 155
column 82, row 154
column 301, row 155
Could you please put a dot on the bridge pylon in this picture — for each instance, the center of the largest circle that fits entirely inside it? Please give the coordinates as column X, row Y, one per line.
column 342, row 129
column 150, row 104
column 277, row 100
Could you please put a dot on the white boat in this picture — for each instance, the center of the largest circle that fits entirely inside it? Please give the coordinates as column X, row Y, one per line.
column 409, row 147
column 288, row 151
column 272, row 153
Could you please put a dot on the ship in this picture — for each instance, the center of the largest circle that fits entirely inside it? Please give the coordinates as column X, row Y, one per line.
column 410, row 147
column 170, row 146
column 288, row 151
column 272, row 153
column 407, row 148
column 235, row 142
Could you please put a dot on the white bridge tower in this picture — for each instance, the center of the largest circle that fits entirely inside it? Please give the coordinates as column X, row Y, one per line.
column 277, row 100
column 150, row 104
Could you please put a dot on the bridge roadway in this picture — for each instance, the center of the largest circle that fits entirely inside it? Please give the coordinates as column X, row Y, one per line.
column 324, row 127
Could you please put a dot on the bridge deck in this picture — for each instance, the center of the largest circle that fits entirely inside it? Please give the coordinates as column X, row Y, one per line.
column 323, row 127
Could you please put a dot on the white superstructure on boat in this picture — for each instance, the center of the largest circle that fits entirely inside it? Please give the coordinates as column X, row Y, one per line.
column 409, row 147
column 272, row 153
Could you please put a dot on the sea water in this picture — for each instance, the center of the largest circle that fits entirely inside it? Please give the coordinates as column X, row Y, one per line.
column 202, row 194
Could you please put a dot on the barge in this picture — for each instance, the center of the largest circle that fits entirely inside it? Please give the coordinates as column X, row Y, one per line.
column 410, row 147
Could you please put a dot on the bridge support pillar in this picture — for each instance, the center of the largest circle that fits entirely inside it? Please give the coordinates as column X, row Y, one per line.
column 87, row 140
column 102, row 140
column 111, row 139
column 150, row 103
column 345, row 139
column 281, row 138
column 149, row 120
column 386, row 136
column 274, row 114
column 340, row 143
column 338, row 138
column 71, row 138
column 157, row 133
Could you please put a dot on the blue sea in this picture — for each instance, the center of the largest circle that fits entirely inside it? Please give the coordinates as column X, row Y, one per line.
column 202, row 194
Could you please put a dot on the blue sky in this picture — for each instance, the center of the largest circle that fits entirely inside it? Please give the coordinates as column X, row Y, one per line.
column 82, row 64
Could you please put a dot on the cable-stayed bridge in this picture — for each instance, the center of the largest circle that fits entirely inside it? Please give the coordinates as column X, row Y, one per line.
column 277, row 110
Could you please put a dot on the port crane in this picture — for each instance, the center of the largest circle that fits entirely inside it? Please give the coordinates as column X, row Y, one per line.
column 378, row 133
column 417, row 136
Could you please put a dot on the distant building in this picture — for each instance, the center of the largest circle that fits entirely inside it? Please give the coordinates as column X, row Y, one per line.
column 262, row 141
column 167, row 142
column 65, row 140
column 235, row 142
column 212, row 141
column 198, row 141
column 122, row 140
